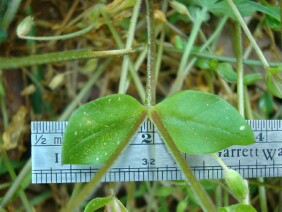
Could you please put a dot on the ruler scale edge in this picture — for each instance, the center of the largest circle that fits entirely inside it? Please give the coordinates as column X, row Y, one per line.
column 262, row 159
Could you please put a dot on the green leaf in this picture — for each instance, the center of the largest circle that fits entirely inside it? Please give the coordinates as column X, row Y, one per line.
column 272, row 11
column 266, row 104
column 182, row 206
column 237, row 208
column 118, row 206
column 274, row 84
column 203, row 63
column 250, row 79
column 236, row 184
column 181, row 8
column 3, row 34
column 164, row 191
column 97, row 203
column 272, row 18
column 112, row 204
column 221, row 8
column 274, row 81
column 272, row 22
column 178, row 43
column 96, row 129
column 201, row 123
column 226, row 71
column 206, row 64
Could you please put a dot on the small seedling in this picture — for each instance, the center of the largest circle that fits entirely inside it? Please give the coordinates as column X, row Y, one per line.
column 193, row 122
column 198, row 123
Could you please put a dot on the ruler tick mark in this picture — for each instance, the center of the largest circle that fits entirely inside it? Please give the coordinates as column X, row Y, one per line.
column 47, row 138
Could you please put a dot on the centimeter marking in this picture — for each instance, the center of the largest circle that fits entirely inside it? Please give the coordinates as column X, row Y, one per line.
column 147, row 159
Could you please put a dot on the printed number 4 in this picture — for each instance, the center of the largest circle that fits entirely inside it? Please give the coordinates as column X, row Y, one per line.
column 259, row 137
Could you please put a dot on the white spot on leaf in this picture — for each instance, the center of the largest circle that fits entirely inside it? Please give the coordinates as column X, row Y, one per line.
column 242, row 127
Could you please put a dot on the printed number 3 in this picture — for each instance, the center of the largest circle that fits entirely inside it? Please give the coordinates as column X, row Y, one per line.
column 148, row 161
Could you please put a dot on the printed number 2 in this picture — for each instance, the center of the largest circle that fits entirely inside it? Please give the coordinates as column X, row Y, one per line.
column 40, row 140
column 146, row 138
column 148, row 161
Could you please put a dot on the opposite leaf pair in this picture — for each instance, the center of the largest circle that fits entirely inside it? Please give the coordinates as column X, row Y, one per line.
column 197, row 122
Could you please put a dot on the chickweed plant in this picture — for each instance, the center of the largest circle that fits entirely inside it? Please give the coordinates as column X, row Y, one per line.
column 189, row 121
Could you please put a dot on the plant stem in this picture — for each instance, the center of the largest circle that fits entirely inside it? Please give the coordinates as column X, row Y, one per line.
column 16, row 184
column 248, row 33
column 249, row 62
column 89, row 187
column 13, row 175
column 269, row 185
column 192, row 62
column 151, row 56
column 129, row 41
column 262, row 190
column 218, row 196
column 130, row 188
column 19, row 62
column 249, row 115
column 59, row 37
column 280, row 4
column 132, row 68
column 161, row 43
column 10, row 13
column 5, row 117
column 221, row 163
column 202, row 196
column 262, row 195
column 239, row 66
column 27, row 168
column 71, row 107
column 187, row 51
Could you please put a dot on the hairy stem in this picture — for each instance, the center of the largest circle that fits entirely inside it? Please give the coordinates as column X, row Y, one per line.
column 19, row 62
column 151, row 55
column 200, row 193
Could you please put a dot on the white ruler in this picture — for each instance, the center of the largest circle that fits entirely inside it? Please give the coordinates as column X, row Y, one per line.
column 146, row 157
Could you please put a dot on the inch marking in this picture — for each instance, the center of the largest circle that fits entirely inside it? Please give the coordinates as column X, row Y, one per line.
column 147, row 159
